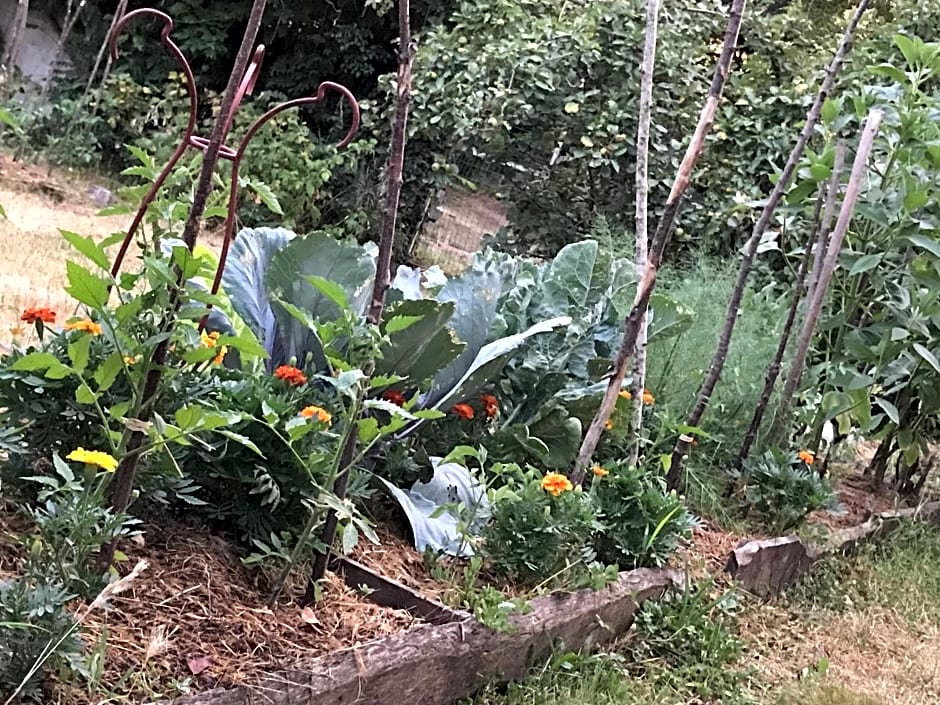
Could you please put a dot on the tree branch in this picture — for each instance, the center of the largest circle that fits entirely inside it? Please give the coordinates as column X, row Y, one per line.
column 856, row 179
column 642, row 206
column 396, row 161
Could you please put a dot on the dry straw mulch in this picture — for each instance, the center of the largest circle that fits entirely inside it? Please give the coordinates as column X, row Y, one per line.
column 198, row 615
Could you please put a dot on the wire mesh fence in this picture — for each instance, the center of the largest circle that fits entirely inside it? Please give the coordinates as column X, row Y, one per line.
column 462, row 215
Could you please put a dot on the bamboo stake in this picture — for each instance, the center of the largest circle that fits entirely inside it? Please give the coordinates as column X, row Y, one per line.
column 667, row 223
column 673, row 477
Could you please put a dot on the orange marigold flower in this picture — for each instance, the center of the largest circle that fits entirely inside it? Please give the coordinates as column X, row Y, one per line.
column 315, row 412
column 291, row 375
column 85, row 326
column 34, row 315
column 609, row 425
column 555, row 483
column 807, row 456
column 599, row 471
column 648, row 397
column 490, row 405
column 395, row 397
column 625, row 394
column 464, row 411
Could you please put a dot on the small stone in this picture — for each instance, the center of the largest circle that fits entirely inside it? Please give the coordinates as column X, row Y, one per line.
column 100, row 196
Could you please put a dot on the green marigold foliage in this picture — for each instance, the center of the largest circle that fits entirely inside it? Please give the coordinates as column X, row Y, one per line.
column 639, row 523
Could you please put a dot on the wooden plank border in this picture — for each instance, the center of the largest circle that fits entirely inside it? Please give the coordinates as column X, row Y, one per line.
column 437, row 664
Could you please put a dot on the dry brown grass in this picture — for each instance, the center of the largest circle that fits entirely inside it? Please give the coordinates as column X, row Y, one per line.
column 39, row 204
column 32, row 253
column 873, row 652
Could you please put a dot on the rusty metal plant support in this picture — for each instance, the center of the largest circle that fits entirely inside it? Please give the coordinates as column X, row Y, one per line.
column 190, row 140
column 241, row 82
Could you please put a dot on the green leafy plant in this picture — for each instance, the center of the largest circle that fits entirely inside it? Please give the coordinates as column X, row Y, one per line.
column 536, row 534
column 781, row 489
column 688, row 640
column 74, row 522
column 32, row 613
column 640, row 523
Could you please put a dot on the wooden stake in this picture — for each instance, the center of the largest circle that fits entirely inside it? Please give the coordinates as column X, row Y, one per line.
column 673, row 477
column 642, row 206
column 857, row 178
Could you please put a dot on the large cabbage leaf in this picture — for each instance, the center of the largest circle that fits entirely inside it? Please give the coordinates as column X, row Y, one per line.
column 318, row 256
column 434, row 509
column 475, row 295
column 487, row 364
column 245, row 281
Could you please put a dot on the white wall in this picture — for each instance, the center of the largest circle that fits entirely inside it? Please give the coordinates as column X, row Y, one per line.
column 38, row 48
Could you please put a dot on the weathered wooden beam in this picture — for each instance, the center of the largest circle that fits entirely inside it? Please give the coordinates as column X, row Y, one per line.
column 391, row 593
column 770, row 566
column 439, row 664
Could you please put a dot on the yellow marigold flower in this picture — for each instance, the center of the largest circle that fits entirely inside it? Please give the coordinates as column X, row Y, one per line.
column 807, row 456
column 85, row 326
column 555, row 483
column 94, row 457
column 609, row 425
column 648, row 397
column 600, row 472
column 625, row 394
column 315, row 412
column 209, row 339
column 130, row 360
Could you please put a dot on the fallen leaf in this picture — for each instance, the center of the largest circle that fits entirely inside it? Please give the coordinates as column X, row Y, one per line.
column 307, row 615
column 199, row 664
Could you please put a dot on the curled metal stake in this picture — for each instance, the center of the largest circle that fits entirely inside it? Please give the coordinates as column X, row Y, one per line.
column 190, row 140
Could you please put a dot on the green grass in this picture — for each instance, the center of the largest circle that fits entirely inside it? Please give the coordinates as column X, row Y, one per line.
column 582, row 680
column 676, row 368
column 901, row 572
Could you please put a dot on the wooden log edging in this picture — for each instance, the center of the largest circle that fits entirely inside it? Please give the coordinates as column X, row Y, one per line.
column 769, row 566
column 437, row 664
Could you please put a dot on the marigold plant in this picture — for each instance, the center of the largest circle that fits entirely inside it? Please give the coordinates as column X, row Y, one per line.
column 490, row 405
column 211, row 340
column 35, row 315
column 395, row 397
column 555, row 483
column 85, row 326
column 318, row 413
column 464, row 411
